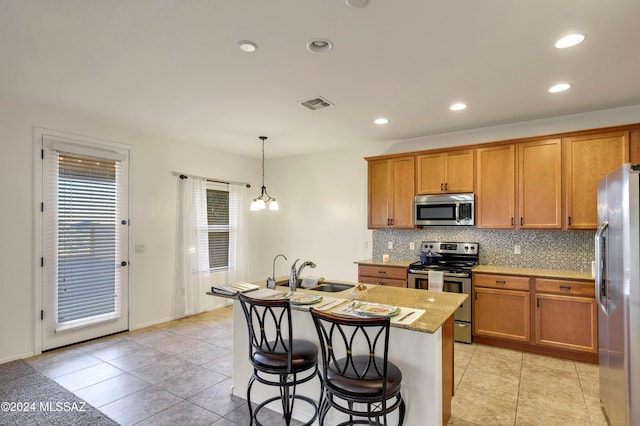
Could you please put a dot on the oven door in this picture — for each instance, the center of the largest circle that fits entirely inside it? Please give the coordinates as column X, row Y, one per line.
column 451, row 285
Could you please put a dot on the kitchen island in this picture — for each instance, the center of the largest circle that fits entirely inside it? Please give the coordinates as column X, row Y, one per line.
column 423, row 350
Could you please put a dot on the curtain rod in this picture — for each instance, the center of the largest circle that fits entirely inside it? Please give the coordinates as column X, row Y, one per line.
column 226, row 182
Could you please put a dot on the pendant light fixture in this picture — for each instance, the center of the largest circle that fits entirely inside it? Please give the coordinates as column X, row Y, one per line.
column 264, row 199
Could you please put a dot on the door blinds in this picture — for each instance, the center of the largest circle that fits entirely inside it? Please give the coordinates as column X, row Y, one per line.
column 82, row 223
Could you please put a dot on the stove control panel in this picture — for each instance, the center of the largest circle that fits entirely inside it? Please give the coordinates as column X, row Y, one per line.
column 449, row 248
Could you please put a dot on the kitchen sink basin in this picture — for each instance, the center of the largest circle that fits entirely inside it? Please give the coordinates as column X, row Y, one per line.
column 331, row 287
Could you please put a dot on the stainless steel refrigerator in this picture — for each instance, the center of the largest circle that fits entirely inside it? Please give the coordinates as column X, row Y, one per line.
column 617, row 250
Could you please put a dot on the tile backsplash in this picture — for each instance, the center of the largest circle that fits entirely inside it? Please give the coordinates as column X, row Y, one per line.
column 549, row 249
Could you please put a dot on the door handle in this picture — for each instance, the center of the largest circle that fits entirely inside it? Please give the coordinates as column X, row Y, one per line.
column 123, row 263
column 600, row 259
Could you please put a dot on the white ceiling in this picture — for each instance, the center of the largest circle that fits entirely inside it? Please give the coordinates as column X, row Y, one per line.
column 172, row 67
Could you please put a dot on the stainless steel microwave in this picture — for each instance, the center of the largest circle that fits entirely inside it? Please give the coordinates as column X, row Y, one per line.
column 445, row 210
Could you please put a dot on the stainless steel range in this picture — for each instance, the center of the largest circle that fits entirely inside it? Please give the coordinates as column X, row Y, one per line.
column 455, row 260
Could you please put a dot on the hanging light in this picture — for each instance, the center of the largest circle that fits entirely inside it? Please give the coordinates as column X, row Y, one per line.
column 264, row 199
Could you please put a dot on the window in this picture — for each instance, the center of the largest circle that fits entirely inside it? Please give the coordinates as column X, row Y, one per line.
column 218, row 228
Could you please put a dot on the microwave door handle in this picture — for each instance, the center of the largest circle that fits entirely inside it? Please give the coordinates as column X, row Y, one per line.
column 458, row 212
column 600, row 261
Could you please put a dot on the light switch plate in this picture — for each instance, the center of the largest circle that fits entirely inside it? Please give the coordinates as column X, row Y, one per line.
column 517, row 249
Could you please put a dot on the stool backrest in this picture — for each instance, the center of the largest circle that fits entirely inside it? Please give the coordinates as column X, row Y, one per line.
column 268, row 325
column 356, row 348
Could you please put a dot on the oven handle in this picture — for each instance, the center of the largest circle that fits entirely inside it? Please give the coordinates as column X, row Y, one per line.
column 458, row 212
column 448, row 274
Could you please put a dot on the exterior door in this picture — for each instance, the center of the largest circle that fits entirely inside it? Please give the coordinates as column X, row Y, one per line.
column 85, row 240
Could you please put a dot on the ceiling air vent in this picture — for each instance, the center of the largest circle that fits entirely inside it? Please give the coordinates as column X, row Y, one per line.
column 316, row 103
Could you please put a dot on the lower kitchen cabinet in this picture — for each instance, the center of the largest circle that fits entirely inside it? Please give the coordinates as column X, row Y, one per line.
column 502, row 308
column 566, row 315
column 395, row 276
column 543, row 315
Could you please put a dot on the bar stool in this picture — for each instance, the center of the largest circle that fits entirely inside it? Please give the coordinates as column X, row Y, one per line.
column 356, row 368
column 274, row 352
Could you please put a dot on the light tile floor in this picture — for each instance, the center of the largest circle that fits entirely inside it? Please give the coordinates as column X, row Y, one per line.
column 179, row 373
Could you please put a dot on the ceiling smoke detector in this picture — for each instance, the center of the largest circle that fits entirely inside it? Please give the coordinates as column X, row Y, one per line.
column 316, row 103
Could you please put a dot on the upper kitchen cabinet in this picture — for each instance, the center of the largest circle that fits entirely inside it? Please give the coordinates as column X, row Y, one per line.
column 495, row 187
column 634, row 147
column 391, row 192
column 587, row 159
column 540, row 184
column 448, row 172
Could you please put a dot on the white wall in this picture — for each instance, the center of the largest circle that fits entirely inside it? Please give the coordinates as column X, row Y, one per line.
column 153, row 294
column 323, row 200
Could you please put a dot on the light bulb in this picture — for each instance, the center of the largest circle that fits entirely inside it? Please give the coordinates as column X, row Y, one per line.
column 273, row 205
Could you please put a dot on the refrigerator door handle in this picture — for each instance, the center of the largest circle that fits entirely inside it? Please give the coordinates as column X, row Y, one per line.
column 600, row 259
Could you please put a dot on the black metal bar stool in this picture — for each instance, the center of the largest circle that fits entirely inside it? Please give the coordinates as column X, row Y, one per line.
column 277, row 358
column 356, row 368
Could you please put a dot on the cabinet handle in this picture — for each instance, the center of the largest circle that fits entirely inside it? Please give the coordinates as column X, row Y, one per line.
column 565, row 287
column 512, row 222
column 476, row 295
column 442, row 187
column 569, row 221
column 521, row 220
column 380, row 282
column 446, row 186
column 501, row 282
column 537, row 302
column 382, row 272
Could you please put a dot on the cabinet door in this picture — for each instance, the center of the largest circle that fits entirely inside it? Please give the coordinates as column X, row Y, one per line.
column 503, row 314
column 540, row 188
column 379, row 194
column 567, row 322
column 402, row 192
column 589, row 158
column 459, row 171
column 430, row 173
column 495, row 201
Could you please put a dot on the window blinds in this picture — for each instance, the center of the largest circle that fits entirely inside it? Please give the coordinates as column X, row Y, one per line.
column 82, row 219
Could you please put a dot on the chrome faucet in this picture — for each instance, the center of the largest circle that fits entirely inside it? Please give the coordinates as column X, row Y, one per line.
column 293, row 274
column 271, row 281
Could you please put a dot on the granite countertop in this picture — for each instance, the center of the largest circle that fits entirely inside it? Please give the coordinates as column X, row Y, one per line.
column 534, row 272
column 438, row 306
column 395, row 263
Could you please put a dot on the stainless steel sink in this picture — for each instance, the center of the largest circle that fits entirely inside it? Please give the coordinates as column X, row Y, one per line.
column 331, row 287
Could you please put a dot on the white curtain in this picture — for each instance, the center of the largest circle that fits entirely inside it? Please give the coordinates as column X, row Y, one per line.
column 193, row 245
column 194, row 274
column 238, row 245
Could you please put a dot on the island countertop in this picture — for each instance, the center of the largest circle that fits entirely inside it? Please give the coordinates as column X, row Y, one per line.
column 438, row 306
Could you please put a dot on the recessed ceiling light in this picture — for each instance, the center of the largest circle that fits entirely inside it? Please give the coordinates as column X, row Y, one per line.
column 319, row 45
column 560, row 87
column 458, row 107
column 247, row 46
column 356, row 3
column 381, row 120
column 569, row 41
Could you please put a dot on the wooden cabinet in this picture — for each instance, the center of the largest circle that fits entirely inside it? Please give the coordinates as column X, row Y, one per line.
column 540, row 184
column 495, row 187
column 501, row 307
column 566, row 315
column 395, row 276
column 450, row 172
column 544, row 315
column 587, row 159
column 391, row 193
column 539, row 189
column 634, row 147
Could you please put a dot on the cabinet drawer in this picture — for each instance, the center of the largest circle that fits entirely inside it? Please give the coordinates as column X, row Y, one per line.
column 383, row 281
column 390, row 272
column 501, row 281
column 573, row 288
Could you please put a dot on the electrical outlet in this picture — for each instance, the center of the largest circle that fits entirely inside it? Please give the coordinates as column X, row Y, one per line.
column 390, row 245
column 517, row 249
column 412, row 245
column 139, row 248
